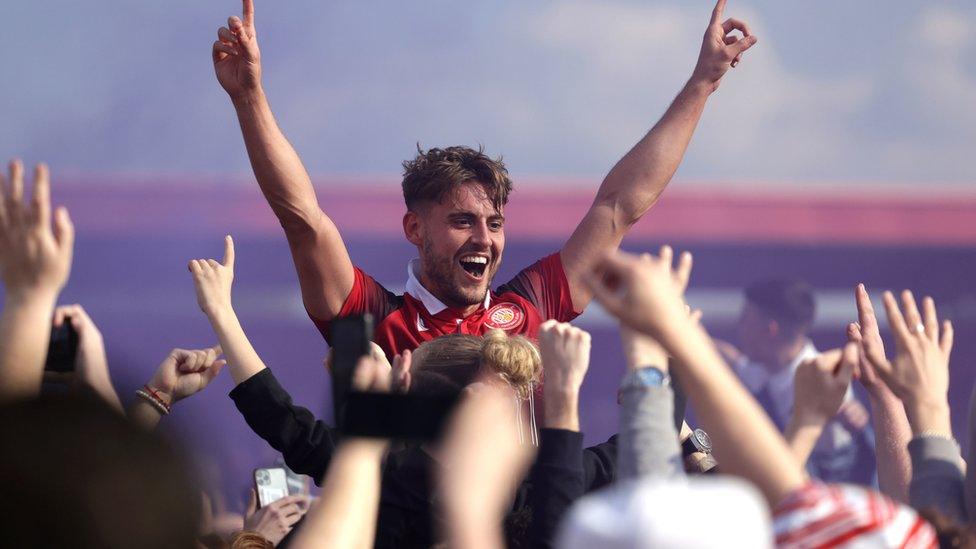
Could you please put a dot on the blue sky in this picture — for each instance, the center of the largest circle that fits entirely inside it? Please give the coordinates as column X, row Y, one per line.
column 835, row 91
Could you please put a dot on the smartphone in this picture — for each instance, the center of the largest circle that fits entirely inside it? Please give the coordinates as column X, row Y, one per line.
column 297, row 484
column 350, row 337
column 397, row 416
column 271, row 484
column 62, row 349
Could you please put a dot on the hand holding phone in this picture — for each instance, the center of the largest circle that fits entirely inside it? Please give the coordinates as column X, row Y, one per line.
column 271, row 484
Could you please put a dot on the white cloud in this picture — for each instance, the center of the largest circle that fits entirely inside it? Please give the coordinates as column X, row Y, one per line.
column 765, row 118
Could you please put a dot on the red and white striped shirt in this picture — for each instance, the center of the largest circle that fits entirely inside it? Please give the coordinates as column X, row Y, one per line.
column 836, row 515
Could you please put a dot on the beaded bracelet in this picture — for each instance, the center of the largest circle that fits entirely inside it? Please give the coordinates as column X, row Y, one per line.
column 153, row 399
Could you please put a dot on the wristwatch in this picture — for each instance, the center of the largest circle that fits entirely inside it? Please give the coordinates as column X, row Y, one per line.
column 699, row 441
column 646, row 376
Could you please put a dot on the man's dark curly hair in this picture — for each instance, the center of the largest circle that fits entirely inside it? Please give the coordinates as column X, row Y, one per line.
column 435, row 173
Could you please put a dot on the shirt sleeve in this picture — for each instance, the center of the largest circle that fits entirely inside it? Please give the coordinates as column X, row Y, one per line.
column 648, row 439
column 366, row 296
column 556, row 481
column 937, row 480
column 306, row 443
column 545, row 285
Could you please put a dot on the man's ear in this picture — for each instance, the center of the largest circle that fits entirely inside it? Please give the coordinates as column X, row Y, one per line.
column 413, row 228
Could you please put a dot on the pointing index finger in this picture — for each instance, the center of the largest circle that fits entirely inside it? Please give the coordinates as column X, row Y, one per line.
column 228, row 251
column 249, row 13
column 716, row 13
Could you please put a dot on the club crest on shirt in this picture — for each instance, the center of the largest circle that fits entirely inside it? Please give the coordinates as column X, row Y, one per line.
column 505, row 316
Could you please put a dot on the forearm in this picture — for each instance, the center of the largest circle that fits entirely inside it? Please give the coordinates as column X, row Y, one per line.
column 802, row 435
column 345, row 515
column 746, row 442
column 561, row 406
column 639, row 178
column 892, row 434
column 277, row 167
column 25, row 332
column 144, row 414
column 242, row 360
column 106, row 391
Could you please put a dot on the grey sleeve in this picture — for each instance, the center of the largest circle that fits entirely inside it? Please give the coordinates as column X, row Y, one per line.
column 648, row 441
column 937, row 479
column 970, row 488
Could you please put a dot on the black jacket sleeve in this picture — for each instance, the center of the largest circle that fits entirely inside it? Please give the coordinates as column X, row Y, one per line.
column 600, row 464
column 306, row 443
column 563, row 471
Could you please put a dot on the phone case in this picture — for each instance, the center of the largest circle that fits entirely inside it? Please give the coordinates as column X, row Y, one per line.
column 271, row 485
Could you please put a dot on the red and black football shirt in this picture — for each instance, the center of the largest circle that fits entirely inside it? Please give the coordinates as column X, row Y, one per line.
column 537, row 293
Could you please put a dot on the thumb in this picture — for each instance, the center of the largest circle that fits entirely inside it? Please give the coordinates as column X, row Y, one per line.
column 848, row 361
column 214, row 370
column 252, row 504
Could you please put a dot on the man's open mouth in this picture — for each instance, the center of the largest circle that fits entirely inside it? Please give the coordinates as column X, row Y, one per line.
column 475, row 265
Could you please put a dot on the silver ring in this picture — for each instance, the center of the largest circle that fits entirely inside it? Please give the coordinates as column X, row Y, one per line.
column 919, row 328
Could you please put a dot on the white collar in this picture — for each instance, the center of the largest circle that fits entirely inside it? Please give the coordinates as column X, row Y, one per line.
column 417, row 290
column 757, row 376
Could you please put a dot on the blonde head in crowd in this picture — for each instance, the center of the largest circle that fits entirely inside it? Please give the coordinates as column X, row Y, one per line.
column 515, row 359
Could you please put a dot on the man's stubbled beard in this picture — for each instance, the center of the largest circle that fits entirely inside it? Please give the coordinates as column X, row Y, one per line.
column 440, row 273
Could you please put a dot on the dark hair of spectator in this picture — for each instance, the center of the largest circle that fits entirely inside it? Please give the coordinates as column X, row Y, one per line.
column 75, row 473
column 788, row 301
column 435, row 173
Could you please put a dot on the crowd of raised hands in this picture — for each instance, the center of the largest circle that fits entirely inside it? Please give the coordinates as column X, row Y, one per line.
column 761, row 493
column 82, row 470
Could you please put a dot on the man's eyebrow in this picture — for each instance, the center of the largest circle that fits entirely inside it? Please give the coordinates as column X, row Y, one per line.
column 470, row 214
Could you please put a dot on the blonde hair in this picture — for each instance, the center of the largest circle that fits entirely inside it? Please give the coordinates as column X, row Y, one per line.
column 459, row 358
column 515, row 358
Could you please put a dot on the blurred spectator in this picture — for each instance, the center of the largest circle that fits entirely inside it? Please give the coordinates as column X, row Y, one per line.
column 773, row 334
column 75, row 473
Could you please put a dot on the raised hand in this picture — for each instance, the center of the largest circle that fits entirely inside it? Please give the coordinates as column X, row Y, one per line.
column 641, row 350
column 186, row 372
column 821, row 384
column 865, row 332
column 642, row 292
column 565, row 352
column 919, row 374
column 818, row 393
column 91, row 364
column 721, row 50
column 402, row 372
column 236, row 58
column 33, row 258
column 372, row 374
column 276, row 519
column 213, row 281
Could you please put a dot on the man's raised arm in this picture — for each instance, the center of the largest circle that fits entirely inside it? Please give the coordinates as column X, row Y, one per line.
column 638, row 179
column 325, row 271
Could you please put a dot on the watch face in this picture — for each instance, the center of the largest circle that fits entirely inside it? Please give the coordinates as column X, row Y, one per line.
column 704, row 442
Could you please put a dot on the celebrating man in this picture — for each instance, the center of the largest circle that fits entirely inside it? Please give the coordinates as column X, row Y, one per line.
column 455, row 200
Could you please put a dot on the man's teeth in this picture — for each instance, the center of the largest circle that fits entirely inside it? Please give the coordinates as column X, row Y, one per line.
column 475, row 259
